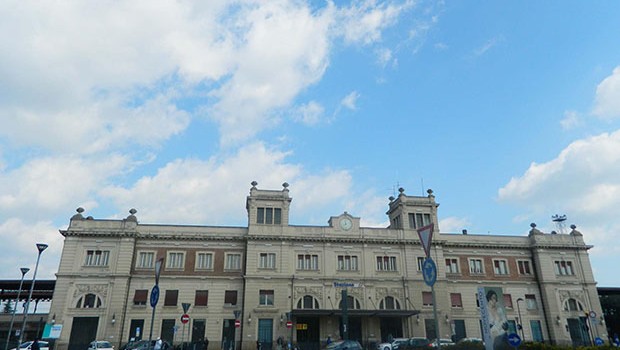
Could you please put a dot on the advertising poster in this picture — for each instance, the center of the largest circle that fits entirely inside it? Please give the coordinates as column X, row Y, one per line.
column 493, row 316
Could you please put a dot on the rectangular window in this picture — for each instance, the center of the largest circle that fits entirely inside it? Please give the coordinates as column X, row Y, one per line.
column 396, row 222
column 230, row 297
column 508, row 301
column 175, row 260
column 307, row 262
column 564, row 268
column 524, row 267
column 204, row 261
column 500, row 267
column 347, row 263
column 202, row 298
column 233, row 262
column 475, row 266
column 97, row 257
column 172, row 297
column 530, row 302
column 456, row 300
column 269, row 216
column 386, row 263
column 146, row 260
column 452, row 266
column 267, row 261
column 418, row 220
column 265, row 297
column 140, row 296
column 420, row 262
column 427, row 299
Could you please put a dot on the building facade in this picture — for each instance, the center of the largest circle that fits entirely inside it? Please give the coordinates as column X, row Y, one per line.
column 271, row 280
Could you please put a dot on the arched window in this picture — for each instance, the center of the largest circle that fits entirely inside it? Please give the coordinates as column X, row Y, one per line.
column 572, row 305
column 308, row 302
column 89, row 300
column 352, row 303
column 389, row 303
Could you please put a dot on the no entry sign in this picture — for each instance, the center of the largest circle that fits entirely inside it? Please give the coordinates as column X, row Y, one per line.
column 185, row 318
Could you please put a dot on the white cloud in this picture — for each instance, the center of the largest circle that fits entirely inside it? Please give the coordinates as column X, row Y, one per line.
column 309, row 113
column 453, row 224
column 571, row 120
column 607, row 101
column 43, row 186
column 581, row 182
column 350, row 101
column 22, row 238
column 488, row 45
column 196, row 191
column 365, row 21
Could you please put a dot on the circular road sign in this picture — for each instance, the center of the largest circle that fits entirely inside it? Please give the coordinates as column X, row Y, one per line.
column 237, row 323
column 598, row 341
column 289, row 324
column 592, row 314
column 429, row 271
column 185, row 318
column 514, row 339
column 154, row 295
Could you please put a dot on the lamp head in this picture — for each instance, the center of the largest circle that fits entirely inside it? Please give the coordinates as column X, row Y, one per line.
column 24, row 270
column 41, row 247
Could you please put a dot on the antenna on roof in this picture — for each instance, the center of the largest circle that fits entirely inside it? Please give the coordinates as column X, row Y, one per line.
column 559, row 221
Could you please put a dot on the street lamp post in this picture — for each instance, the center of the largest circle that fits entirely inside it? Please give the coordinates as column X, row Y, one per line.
column 155, row 296
column 24, row 271
column 520, row 319
column 40, row 247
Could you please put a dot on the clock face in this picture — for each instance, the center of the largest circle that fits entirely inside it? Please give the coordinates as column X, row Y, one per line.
column 346, row 224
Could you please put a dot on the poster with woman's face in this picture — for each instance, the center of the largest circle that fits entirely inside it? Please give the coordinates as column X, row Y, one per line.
column 493, row 316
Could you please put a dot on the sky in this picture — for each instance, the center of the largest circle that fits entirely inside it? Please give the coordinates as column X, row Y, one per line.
column 508, row 110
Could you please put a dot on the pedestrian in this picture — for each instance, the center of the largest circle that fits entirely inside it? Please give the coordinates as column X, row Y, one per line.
column 206, row 344
column 329, row 340
column 35, row 345
column 158, row 344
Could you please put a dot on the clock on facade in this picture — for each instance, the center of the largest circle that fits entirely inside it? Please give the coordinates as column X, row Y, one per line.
column 346, row 224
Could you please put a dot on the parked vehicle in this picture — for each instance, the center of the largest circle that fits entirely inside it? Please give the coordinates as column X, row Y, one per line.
column 393, row 345
column 100, row 345
column 43, row 345
column 144, row 345
column 344, row 345
column 443, row 342
column 416, row 343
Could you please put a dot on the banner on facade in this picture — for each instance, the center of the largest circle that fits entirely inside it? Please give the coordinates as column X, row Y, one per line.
column 495, row 327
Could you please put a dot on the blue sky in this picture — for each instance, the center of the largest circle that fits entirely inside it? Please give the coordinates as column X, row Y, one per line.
column 509, row 111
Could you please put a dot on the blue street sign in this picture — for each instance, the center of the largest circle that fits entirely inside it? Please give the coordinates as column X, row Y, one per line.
column 598, row 341
column 429, row 271
column 514, row 339
column 154, row 295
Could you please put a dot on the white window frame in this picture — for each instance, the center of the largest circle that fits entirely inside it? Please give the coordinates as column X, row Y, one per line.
column 473, row 268
column 347, row 263
column 204, row 260
column 452, row 265
column 419, row 220
column 500, row 267
column 530, row 302
column 564, row 268
column 524, row 267
column 267, row 260
column 266, row 297
column 420, row 261
column 96, row 257
column 175, row 260
column 232, row 261
column 386, row 263
column 308, row 262
column 145, row 260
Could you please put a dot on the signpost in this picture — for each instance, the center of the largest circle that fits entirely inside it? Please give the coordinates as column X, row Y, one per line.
column 429, row 271
column 154, row 298
column 185, row 320
column 514, row 339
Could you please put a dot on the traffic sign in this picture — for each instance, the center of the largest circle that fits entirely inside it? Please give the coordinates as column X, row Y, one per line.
column 514, row 339
column 289, row 324
column 185, row 318
column 598, row 341
column 237, row 323
column 154, row 295
column 426, row 236
column 429, row 271
column 592, row 314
